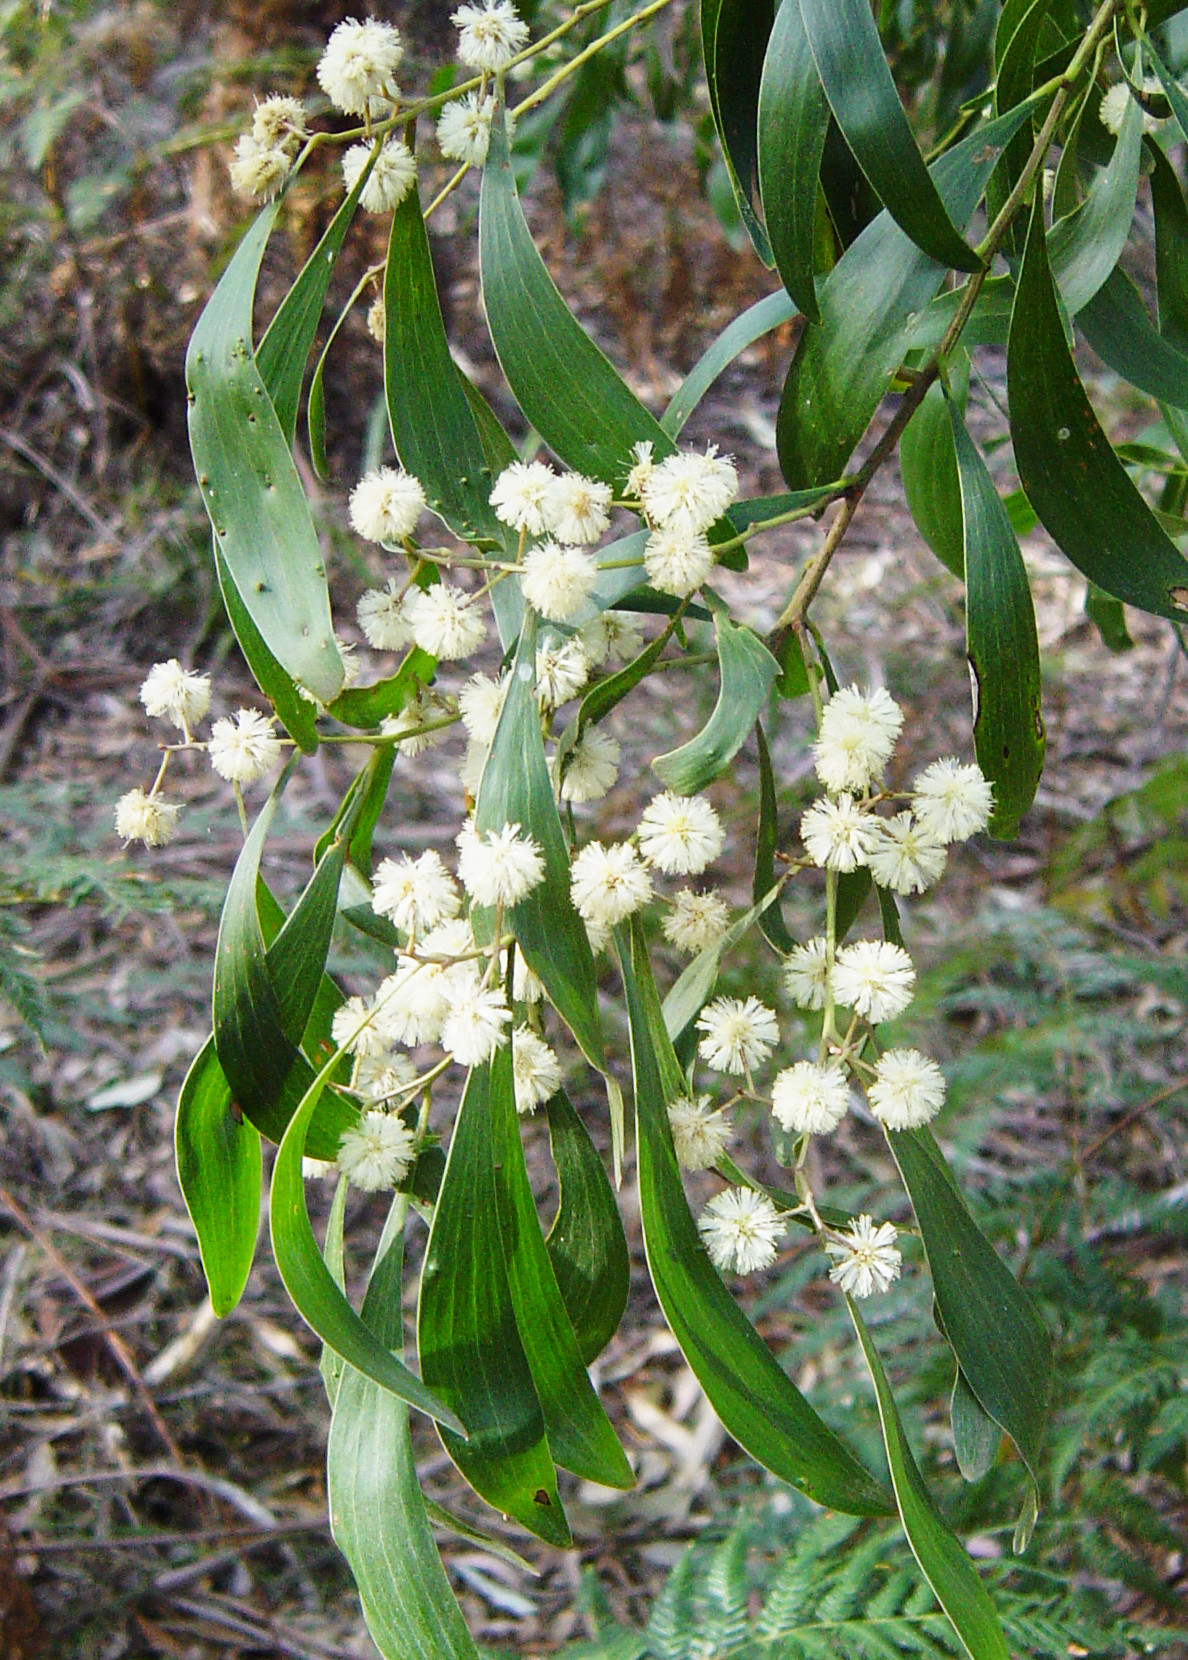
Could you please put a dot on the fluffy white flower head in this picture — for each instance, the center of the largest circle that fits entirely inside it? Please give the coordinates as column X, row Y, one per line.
column 558, row 580
column 740, row 1033
column 836, row 833
column 498, row 867
column 695, row 920
column 806, row 973
column 415, row 894
column 1112, row 109
column 474, row 1027
column 865, row 1258
column 145, row 818
column 699, row 1132
column 376, row 1152
column 419, row 712
column 858, row 733
column 562, row 669
column 480, row 703
column 686, row 492
column 951, row 801
column 464, row 128
column 445, row 621
column 244, row 749
column 384, row 1078
column 520, row 496
column 359, row 63
column 741, row 1229
column 391, row 179
column 279, row 119
column 677, row 561
column 386, row 504
column 908, row 1091
column 810, row 1100
column 643, row 465
column 680, row 834
column 593, row 766
column 491, row 33
column 874, row 978
column 612, row 637
column 257, row 169
column 536, row 1070
column 355, row 1029
column 904, row 856
column 381, row 616
column 609, row 883
column 179, row 694
column 578, row 508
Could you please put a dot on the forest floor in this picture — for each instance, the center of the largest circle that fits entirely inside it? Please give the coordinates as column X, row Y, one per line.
column 163, row 1473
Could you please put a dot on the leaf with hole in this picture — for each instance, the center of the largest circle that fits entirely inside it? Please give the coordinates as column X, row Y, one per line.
column 249, row 481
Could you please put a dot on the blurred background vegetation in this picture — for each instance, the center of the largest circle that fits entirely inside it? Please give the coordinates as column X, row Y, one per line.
column 1057, row 990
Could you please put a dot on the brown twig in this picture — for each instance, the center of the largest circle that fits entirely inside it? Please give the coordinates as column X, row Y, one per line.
column 119, row 1349
column 1133, row 1115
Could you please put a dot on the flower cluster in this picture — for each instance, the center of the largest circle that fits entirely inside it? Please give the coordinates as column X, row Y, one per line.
column 241, row 750
column 867, row 982
column 680, row 497
column 264, row 154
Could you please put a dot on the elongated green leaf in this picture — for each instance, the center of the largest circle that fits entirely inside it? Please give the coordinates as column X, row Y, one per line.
column 516, row 789
column 297, row 714
column 256, row 1030
column 793, row 122
column 751, row 325
column 1085, row 246
column 1108, row 616
column 976, row 1436
column 1014, row 50
column 219, row 1172
column 1115, row 323
column 433, row 425
column 998, row 1337
column 1000, row 643
column 771, row 919
column 330, row 1365
column 365, row 707
column 870, row 303
column 1171, row 271
column 1076, row 484
column 853, row 890
column 288, row 340
column 311, row 1285
column 733, row 40
column 758, row 1403
column 586, row 1243
column 989, row 322
column 857, row 82
column 249, row 481
column 467, row 1336
column 568, row 390
column 747, row 671
column 579, row 1432
column 943, row 1560
column 1174, row 92
column 928, row 467
column 377, row 1512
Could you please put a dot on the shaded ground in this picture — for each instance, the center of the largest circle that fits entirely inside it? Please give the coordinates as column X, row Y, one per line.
column 104, row 570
